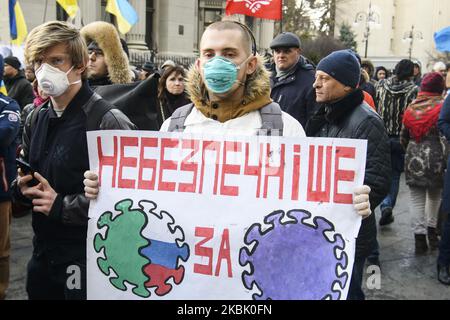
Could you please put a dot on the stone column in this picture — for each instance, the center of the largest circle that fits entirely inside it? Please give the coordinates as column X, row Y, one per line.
column 90, row 11
column 136, row 36
column 4, row 24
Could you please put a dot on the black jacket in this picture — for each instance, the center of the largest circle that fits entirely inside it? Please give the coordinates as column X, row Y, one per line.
column 169, row 103
column 295, row 93
column 56, row 147
column 353, row 119
column 9, row 127
column 19, row 89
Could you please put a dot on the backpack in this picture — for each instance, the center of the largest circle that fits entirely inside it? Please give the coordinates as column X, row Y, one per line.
column 94, row 118
column 271, row 116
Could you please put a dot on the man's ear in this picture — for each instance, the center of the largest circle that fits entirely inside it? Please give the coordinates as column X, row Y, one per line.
column 348, row 89
column 80, row 69
column 197, row 64
column 251, row 65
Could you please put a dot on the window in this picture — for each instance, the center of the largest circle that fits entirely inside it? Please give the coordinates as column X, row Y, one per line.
column 211, row 16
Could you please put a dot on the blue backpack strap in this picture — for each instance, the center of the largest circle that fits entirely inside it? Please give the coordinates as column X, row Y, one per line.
column 272, row 120
column 179, row 117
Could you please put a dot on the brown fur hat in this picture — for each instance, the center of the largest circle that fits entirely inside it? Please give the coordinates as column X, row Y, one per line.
column 107, row 39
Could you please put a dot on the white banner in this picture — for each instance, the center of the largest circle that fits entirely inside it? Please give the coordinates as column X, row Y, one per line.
column 183, row 216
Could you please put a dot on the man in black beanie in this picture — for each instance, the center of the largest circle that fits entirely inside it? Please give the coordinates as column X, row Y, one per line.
column 17, row 86
column 394, row 95
column 342, row 113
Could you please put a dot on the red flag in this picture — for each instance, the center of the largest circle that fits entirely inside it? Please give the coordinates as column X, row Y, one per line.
column 265, row 9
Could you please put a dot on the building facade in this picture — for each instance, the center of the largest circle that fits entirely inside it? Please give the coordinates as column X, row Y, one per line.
column 397, row 28
column 165, row 29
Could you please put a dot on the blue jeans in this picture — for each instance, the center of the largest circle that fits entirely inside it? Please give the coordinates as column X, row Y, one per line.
column 397, row 166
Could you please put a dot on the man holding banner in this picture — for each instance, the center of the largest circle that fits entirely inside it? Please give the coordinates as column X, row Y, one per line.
column 230, row 90
column 344, row 114
column 55, row 147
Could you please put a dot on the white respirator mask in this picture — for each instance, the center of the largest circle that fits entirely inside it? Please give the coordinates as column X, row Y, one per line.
column 53, row 81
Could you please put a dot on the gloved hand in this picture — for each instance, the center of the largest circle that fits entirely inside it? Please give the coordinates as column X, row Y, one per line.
column 361, row 201
column 90, row 185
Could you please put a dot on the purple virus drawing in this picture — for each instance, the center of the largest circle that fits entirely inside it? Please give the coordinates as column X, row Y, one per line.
column 293, row 259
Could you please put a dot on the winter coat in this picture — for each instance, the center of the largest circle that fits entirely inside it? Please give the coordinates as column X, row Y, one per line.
column 19, row 89
column 295, row 94
column 351, row 118
column 425, row 157
column 444, row 128
column 107, row 38
column 56, row 147
column 393, row 97
column 169, row 103
column 257, row 88
column 9, row 128
column 103, row 81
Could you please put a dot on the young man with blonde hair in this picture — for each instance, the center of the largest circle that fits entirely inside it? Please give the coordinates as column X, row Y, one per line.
column 55, row 146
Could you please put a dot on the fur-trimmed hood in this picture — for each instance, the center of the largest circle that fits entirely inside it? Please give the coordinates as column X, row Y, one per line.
column 107, row 38
column 257, row 85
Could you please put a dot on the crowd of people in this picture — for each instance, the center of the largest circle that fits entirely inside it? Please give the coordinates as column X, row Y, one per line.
column 229, row 90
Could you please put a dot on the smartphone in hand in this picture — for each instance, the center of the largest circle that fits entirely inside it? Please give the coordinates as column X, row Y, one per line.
column 26, row 170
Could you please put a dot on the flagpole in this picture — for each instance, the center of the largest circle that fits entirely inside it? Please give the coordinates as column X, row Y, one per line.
column 281, row 21
column 45, row 11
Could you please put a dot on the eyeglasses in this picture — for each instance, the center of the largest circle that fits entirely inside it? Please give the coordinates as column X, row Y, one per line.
column 98, row 52
column 54, row 61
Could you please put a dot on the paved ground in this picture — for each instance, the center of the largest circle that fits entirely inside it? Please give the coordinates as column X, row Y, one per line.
column 403, row 274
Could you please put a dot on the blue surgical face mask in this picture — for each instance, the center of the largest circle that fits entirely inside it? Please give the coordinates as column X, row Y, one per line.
column 220, row 74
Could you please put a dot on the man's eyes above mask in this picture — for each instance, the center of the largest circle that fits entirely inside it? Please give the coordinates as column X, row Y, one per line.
column 208, row 54
column 228, row 55
column 57, row 61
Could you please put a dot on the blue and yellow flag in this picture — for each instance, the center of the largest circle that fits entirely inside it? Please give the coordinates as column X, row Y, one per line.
column 17, row 26
column 69, row 6
column 442, row 40
column 3, row 88
column 124, row 12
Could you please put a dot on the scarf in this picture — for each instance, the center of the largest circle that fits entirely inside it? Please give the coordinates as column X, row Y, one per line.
column 38, row 100
column 422, row 114
column 334, row 113
column 173, row 102
column 286, row 73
